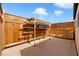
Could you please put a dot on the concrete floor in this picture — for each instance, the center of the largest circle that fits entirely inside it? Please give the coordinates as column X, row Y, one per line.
column 44, row 47
column 15, row 51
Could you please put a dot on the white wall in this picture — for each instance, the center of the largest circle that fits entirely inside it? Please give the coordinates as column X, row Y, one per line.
column 77, row 31
column 0, row 37
column 1, row 26
column 1, row 42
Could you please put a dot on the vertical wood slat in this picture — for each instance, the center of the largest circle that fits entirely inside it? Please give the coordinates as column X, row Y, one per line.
column 12, row 25
column 63, row 30
column 11, row 32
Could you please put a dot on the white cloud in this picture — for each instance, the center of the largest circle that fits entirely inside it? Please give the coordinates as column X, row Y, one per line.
column 41, row 17
column 58, row 12
column 64, row 5
column 71, row 18
column 40, row 11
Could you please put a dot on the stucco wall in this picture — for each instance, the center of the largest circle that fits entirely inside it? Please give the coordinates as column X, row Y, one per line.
column 0, row 30
column 0, row 37
column 77, row 30
column 77, row 39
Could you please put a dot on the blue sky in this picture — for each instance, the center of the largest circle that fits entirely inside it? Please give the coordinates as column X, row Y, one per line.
column 51, row 12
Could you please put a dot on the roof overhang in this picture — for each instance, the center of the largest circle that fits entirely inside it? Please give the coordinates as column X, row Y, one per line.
column 75, row 10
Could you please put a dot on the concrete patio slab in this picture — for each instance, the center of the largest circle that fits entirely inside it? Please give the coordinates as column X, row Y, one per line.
column 53, row 47
column 44, row 47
